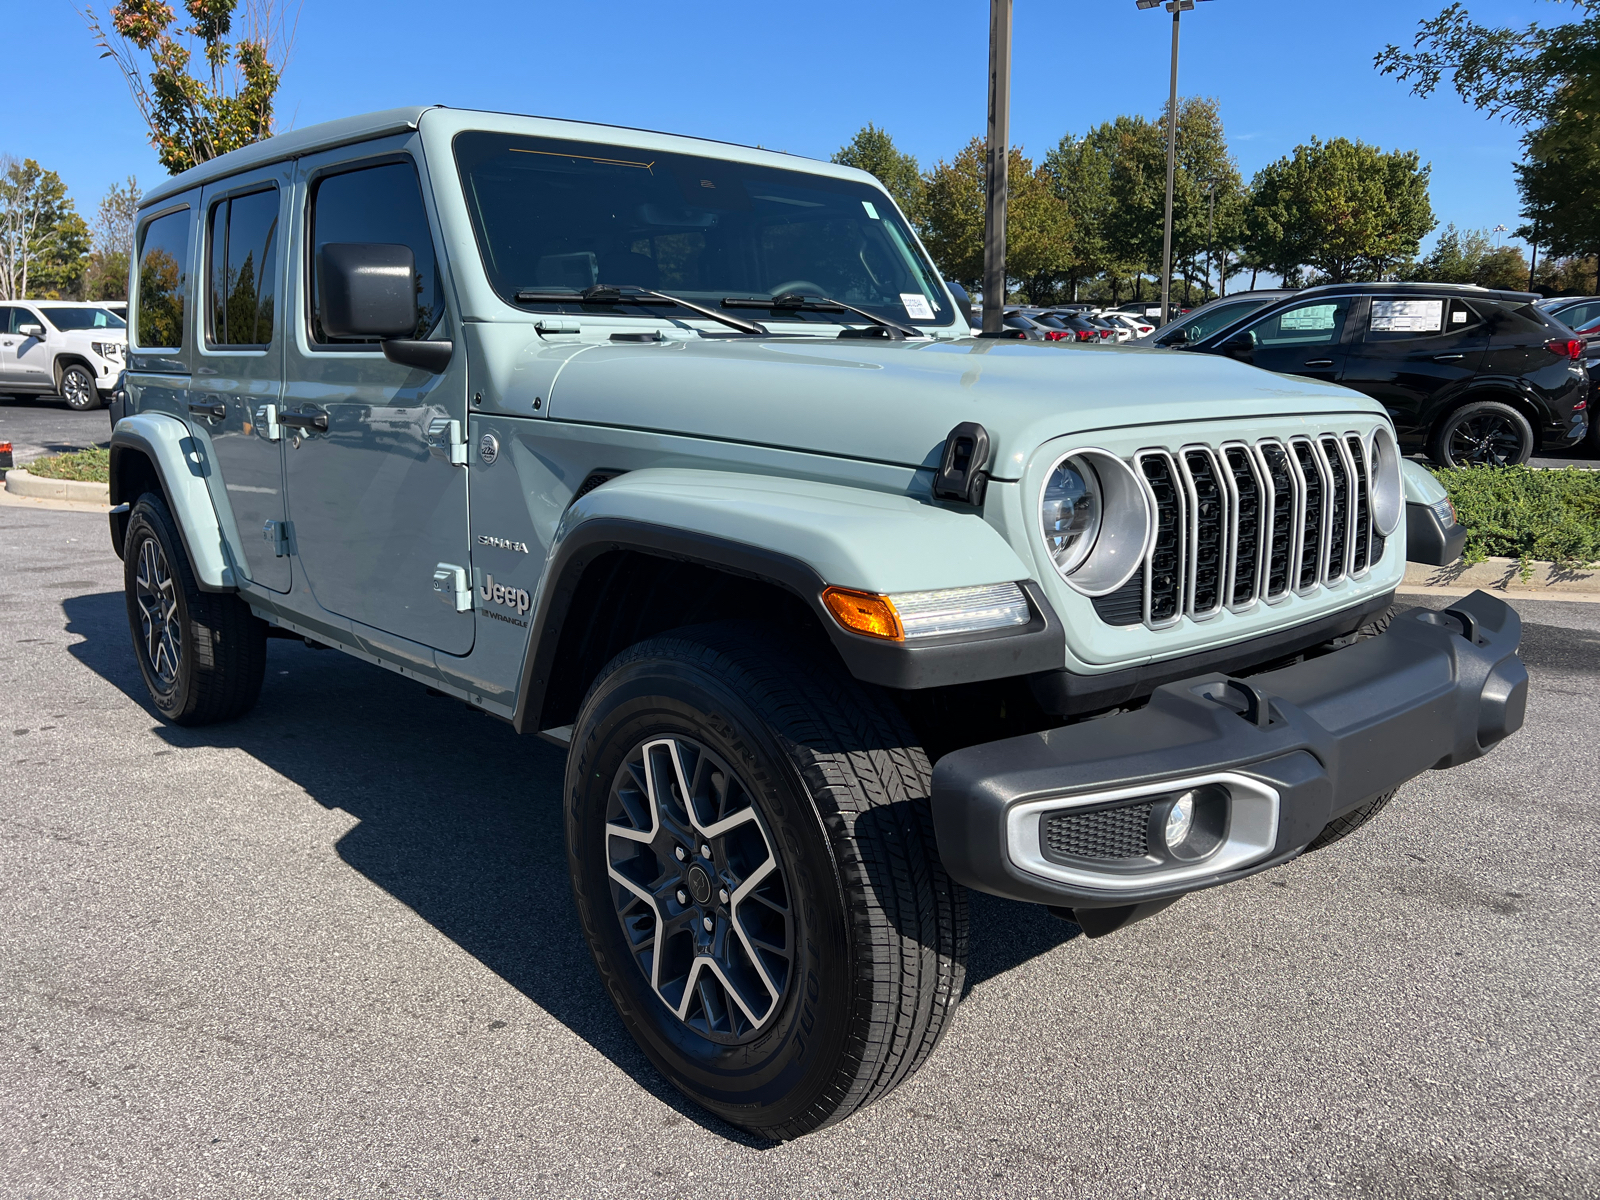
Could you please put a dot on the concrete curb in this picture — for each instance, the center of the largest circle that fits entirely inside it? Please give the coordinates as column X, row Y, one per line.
column 1501, row 575
column 21, row 483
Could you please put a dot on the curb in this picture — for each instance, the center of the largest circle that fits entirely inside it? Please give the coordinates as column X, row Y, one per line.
column 1501, row 575
column 21, row 483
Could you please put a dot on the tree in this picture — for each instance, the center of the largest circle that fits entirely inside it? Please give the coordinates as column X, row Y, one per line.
column 193, row 119
column 43, row 240
column 1344, row 209
column 107, row 274
column 1470, row 256
column 873, row 150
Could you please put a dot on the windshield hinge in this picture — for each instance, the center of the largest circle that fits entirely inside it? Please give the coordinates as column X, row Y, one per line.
column 446, row 441
column 962, row 473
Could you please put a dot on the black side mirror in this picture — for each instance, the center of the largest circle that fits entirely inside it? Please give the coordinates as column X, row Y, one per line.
column 1241, row 346
column 368, row 290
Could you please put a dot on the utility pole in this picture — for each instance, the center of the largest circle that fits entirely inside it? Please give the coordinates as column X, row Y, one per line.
column 995, row 173
column 1211, row 217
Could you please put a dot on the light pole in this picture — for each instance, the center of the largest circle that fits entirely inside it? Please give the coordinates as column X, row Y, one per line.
column 1177, row 8
column 1211, row 217
column 1498, row 230
column 995, row 170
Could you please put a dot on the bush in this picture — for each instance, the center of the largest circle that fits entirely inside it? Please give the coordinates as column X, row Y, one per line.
column 89, row 466
column 1526, row 514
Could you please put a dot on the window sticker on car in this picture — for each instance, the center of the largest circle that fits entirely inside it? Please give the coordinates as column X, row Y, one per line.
column 871, row 211
column 917, row 306
column 1317, row 316
column 1407, row 316
column 1459, row 317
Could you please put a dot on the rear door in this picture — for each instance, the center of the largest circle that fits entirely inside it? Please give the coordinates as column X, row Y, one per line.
column 375, row 502
column 1410, row 349
column 238, row 364
column 10, row 318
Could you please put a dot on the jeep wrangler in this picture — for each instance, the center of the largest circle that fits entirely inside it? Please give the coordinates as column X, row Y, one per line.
column 680, row 456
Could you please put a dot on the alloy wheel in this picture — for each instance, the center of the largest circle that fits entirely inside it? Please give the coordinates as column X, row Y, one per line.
column 1486, row 440
column 156, row 593
column 699, row 889
column 77, row 389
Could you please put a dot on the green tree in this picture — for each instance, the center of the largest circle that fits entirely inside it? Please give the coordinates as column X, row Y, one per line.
column 1344, row 209
column 44, row 243
column 194, row 118
column 1470, row 256
column 107, row 274
column 873, row 150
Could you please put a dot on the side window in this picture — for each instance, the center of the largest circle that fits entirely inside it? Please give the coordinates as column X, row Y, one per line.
column 9, row 320
column 1404, row 319
column 1579, row 314
column 382, row 205
column 242, row 279
column 1317, row 324
column 163, row 281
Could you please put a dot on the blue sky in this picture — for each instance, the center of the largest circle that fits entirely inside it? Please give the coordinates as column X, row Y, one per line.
column 804, row 77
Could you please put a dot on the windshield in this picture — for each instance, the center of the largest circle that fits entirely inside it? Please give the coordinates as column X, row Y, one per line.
column 66, row 319
column 1199, row 326
column 556, row 216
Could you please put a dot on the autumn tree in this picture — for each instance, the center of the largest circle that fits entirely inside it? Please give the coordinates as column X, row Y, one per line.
column 43, row 240
column 872, row 150
column 194, row 117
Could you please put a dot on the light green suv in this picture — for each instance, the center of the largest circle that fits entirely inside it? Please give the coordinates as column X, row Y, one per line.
column 680, row 456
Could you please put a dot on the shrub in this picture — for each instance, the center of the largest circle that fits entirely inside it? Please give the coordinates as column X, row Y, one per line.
column 89, row 466
column 1526, row 514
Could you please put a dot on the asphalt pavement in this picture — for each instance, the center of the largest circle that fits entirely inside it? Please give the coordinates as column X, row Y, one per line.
column 329, row 951
column 37, row 425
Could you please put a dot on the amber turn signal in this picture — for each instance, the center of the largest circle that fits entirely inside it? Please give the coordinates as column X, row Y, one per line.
column 864, row 612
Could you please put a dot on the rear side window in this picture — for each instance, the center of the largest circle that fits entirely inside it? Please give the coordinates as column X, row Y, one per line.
column 382, row 205
column 1510, row 319
column 163, row 281
column 1401, row 319
column 1579, row 314
column 242, row 283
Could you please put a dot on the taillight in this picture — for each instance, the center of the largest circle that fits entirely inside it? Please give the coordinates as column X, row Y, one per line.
column 1057, row 335
column 1573, row 348
column 1085, row 336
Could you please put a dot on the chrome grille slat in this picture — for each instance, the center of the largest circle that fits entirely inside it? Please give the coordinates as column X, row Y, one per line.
column 1243, row 523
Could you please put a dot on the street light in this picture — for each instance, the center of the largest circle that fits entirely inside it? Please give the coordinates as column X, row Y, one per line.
column 1177, row 8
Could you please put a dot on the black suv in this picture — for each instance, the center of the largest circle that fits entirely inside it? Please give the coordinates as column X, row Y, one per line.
column 1475, row 377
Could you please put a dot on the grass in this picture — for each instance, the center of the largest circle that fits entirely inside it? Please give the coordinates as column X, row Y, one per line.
column 1532, row 516
column 88, row 466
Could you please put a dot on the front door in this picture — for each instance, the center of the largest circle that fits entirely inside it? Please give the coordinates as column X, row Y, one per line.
column 1409, row 349
column 31, row 364
column 375, row 502
column 1307, row 339
column 238, row 370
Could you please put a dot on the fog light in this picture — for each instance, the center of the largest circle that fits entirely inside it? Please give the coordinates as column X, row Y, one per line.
column 1180, row 821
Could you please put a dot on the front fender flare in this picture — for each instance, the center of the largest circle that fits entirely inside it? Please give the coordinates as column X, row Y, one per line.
column 180, row 465
column 802, row 536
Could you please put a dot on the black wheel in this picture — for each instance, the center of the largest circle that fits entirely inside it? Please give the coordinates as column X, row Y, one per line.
column 753, row 860
column 78, row 390
column 202, row 654
column 1342, row 827
column 1484, row 433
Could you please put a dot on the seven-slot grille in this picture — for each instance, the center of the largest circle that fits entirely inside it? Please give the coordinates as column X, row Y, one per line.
column 1239, row 523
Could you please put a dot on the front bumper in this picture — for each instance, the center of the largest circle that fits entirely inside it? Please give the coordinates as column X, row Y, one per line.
column 1283, row 753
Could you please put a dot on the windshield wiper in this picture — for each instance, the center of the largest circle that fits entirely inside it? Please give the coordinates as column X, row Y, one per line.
column 795, row 302
column 604, row 293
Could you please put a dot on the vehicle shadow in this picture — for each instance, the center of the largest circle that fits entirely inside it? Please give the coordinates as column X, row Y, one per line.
column 459, row 818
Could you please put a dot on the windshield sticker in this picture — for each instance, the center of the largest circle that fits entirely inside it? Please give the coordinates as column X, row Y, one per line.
column 917, row 306
column 871, row 212
column 1407, row 316
column 1318, row 316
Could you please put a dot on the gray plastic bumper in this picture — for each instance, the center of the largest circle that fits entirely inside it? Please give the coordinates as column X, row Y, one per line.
column 1281, row 753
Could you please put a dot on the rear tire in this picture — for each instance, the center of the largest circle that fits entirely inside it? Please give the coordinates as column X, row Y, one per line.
column 1484, row 433
column 860, row 932
column 78, row 389
column 202, row 654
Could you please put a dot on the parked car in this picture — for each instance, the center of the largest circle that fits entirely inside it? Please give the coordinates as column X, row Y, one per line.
column 1031, row 330
column 61, row 348
column 1572, row 311
column 1472, row 376
column 1136, row 326
column 1114, row 331
column 1589, row 335
column 697, row 473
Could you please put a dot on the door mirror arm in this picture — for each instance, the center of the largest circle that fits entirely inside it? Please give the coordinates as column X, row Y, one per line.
column 1241, row 346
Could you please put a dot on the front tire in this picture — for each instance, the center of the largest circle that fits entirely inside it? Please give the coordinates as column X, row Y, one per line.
column 78, row 389
column 1484, row 433
column 202, row 654
column 753, row 860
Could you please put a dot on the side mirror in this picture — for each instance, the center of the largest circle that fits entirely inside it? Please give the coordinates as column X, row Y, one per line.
column 367, row 290
column 1241, row 346
column 30, row 331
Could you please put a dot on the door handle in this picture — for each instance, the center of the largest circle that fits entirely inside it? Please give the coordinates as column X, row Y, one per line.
column 300, row 420
column 211, row 412
column 1319, row 362
column 1447, row 357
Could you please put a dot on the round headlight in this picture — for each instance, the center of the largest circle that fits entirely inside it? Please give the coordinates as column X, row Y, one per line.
column 1388, row 497
column 1096, row 520
column 1070, row 512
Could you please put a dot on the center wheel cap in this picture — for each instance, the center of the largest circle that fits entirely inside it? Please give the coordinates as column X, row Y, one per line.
column 699, row 884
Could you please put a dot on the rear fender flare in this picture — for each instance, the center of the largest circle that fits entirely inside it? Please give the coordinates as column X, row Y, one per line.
column 180, row 465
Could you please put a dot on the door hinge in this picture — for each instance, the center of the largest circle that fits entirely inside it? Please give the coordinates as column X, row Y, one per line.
column 277, row 533
column 267, row 421
column 447, row 441
column 453, row 587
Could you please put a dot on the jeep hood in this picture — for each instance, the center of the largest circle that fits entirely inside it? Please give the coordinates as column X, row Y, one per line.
column 894, row 402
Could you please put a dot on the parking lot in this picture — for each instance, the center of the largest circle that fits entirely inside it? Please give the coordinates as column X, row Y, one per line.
column 329, row 950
